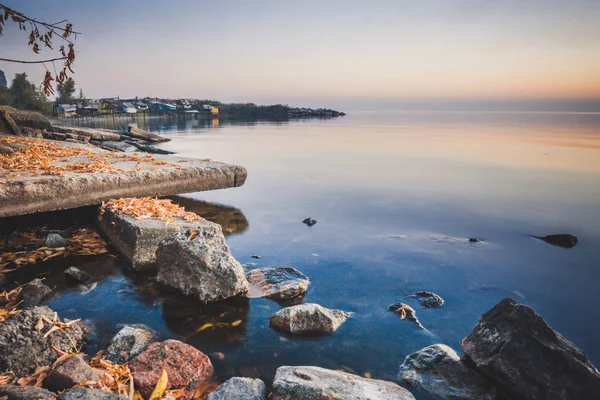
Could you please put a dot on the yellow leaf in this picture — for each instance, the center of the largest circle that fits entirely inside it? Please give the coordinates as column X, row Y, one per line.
column 368, row 375
column 205, row 326
column 40, row 325
column 161, row 386
column 236, row 323
column 138, row 396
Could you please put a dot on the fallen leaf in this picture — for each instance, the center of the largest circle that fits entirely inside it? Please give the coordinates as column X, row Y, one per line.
column 161, row 386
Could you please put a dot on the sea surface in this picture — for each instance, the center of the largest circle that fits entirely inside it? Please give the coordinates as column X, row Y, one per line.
column 396, row 195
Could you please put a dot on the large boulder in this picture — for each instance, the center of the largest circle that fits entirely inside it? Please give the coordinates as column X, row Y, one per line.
column 198, row 262
column 308, row 318
column 89, row 394
column 517, row 350
column 314, row 383
column 137, row 239
column 22, row 123
column 185, row 366
column 12, row 392
column 127, row 343
column 438, row 370
column 240, row 389
column 276, row 283
column 69, row 373
column 23, row 346
column 90, row 133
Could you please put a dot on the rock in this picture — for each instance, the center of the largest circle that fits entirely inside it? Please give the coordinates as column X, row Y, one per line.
column 202, row 267
column 314, row 383
column 55, row 240
column 184, row 364
column 147, row 136
column 69, row 373
column 255, row 256
column 77, row 275
column 310, row 221
column 308, row 318
column 517, row 350
column 428, row 299
column 23, row 348
column 438, row 370
column 114, row 146
column 560, row 239
column 6, row 149
column 11, row 392
column 95, row 134
column 137, row 240
column 405, row 311
column 240, row 389
column 127, row 343
column 276, row 283
column 89, row 394
column 474, row 240
column 148, row 148
column 34, row 292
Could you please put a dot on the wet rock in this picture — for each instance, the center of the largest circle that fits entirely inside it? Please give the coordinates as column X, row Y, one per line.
column 55, row 240
column 114, row 146
column 276, row 283
column 137, row 240
column 560, row 239
column 255, row 256
column 405, row 311
column 314, row 383
column 310, row 221
column 34, row 292
column 474, row 240
column 89, row 394
column 127, row 343
column 184, row 364
column 77, row 275
column 12, row 392
column 69, row 373
column 148, row 148
column 517, row 350
column 202, row 267
column 439, row 370
column 23, row 348
column 428, row 299
column 240, row 389
column 308, row 318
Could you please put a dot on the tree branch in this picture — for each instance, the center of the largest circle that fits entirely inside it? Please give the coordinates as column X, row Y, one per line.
column 46, row 24
column 33, row 62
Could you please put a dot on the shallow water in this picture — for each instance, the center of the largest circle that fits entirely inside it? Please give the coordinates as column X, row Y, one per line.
column 396, row 196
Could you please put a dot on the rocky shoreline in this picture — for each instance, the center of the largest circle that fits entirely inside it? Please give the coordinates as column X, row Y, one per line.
column 512, row 353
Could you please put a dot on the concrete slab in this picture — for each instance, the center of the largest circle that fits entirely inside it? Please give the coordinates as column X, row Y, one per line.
column 25, row 191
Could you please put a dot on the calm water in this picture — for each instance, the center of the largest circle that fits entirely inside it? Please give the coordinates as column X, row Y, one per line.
column 396, row 196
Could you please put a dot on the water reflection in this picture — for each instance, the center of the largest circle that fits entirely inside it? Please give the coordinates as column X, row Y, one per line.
column 231, row 219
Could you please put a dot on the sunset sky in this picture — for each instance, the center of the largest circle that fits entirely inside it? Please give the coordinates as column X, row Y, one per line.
column 325, row 51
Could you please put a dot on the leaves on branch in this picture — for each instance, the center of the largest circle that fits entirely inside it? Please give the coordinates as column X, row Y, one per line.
column 36, row 37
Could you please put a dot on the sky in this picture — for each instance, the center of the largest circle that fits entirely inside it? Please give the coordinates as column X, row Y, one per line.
column 319, row 53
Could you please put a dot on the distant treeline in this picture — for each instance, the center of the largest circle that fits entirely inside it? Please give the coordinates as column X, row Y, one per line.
column 245, row 110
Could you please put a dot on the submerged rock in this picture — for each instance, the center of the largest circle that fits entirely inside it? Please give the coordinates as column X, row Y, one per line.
column 69, row 373
column 308, row 318
column 428, row 299
column 560, row 239
column 55, row 240
column 127, row 343
column 185, row 366
column 89, row 394
column 440, row 371
column 12, row 392
column 202, row 267
column 77, row 275
column 405, row 311
column 517, row 350
column 474, row 240
column 310, row 221
column 23, row 347
column 34, row 292
column 315, row 383
column 276, row 283
column 240, row 389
